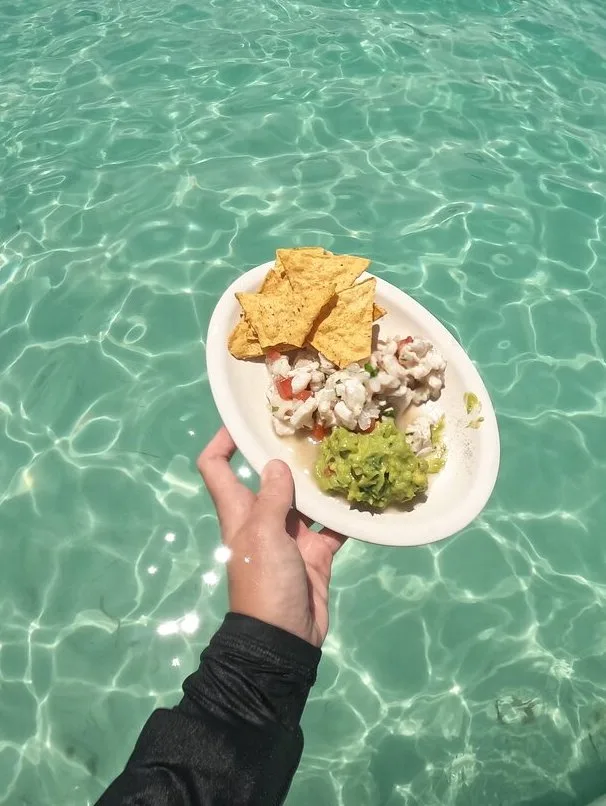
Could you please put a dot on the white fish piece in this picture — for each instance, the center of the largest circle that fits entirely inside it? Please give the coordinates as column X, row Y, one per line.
column 372, row 410
column 406, row 354
column 300, row 381
column 364, row 421
column 403, row 398
column 328, row 419
column 434, row 361
column 303, row 416
column 339, row 388
column 420, row 396
column 419, row 372
column 394, row 368
column 418, row 434
column 326, row 397
column 274, row 399
column 390, row 347
column 374, row 386
column 336, row 378
column 282, row 429
column 387, row 381
column 317, row 381
column 435, row 385
column 326, row 365
column 282, row 409
column 305, row 364
column 420, row 347
column 280, row 368
column 344, row 416
column 354, row 395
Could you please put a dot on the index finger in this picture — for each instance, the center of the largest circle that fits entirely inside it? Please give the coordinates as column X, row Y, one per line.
column 214, row 467
column 332, row 540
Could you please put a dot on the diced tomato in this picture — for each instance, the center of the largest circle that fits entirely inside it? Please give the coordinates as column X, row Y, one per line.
column 284, row 387
column 273, row 355
column 304, row 395
column 319, row 432
column 407, row 340
column 370, row 428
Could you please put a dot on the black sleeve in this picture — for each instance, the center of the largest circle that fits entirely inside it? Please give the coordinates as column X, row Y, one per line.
column 234, row 739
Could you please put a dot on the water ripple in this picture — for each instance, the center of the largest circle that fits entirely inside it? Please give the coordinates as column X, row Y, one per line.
column 151, row 152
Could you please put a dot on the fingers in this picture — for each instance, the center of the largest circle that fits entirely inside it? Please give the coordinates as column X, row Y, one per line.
column 332, row 540
column 219, row 478
column 275, row 497
column 297, row 524
column 220, row 445
column 301, row 524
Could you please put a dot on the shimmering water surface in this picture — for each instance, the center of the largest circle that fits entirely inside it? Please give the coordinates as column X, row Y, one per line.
column 149, row 152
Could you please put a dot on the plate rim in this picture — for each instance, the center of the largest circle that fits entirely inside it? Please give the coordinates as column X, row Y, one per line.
column 247, row 444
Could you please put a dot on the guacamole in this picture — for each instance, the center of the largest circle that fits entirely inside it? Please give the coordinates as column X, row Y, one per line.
column 377, row 469
column 437, row 459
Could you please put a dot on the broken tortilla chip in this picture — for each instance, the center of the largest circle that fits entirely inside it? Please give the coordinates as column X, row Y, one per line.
column 243, row 341
column 281, row 318
column 377, row 312
column 344, row 335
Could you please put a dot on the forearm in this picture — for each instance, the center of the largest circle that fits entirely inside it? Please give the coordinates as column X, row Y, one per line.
column 235, row 737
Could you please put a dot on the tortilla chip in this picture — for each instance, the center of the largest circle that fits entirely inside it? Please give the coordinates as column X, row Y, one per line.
column 344, row 335
column 243, row 341
column 283, row 312
column 282, row 254
column 307, row 272
column 281, row 318
column 377, row 312
column 311, row 251
column 273, row 275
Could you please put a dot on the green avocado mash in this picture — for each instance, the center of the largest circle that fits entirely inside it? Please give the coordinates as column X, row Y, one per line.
column 437, row 459
column 377, row 469
column 472, row 402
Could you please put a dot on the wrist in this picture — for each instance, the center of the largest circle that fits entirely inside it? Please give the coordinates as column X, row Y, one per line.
column 284, row 641
column 254, row 671
column 301, row 634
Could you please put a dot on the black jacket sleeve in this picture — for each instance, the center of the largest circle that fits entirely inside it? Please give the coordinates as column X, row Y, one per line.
column 234, row 739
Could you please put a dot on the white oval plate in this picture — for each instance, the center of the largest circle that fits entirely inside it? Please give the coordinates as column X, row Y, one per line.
column 456, row 495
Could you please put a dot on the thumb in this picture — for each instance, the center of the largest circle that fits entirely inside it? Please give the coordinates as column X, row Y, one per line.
column 275, row 497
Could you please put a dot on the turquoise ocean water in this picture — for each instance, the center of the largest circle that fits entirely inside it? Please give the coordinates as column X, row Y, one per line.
column 150, row 152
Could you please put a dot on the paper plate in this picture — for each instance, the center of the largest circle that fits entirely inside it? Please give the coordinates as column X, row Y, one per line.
column 456, row 495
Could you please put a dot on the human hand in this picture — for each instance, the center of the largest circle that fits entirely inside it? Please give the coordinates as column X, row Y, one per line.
column 278, row 570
